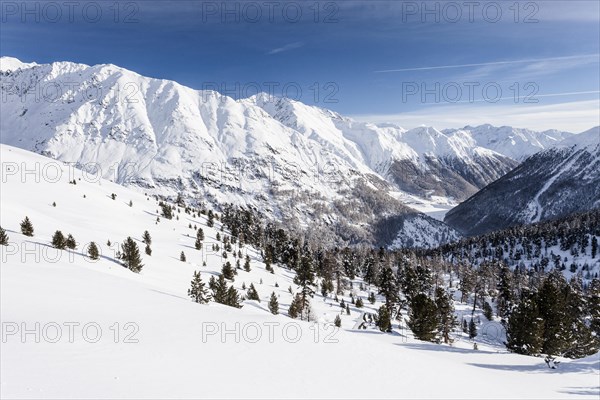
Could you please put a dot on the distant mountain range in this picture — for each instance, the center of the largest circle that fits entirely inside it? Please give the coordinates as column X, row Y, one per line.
column 550, row 184
column 305, row 166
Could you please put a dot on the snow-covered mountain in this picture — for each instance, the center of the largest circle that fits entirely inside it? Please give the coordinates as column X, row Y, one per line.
column 515, row 143
column 169, row 139
column 555, row 182
column 421, row 161
column 303, row 165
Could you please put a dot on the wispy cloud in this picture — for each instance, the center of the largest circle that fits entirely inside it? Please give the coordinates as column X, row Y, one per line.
column 287, row 47
column 585, row 57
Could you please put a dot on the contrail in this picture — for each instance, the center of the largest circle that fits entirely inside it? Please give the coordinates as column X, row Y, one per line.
column 489, row 63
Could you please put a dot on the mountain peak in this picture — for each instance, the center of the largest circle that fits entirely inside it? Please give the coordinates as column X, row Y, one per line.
column 12, row 64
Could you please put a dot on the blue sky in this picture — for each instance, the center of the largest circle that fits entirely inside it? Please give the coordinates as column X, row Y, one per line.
column 532, row 65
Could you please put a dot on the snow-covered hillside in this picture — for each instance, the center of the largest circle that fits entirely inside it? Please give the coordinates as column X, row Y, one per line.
column 138, row 335
column 553, row 183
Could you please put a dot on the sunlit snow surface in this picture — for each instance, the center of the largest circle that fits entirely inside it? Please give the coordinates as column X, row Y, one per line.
column 167, row 352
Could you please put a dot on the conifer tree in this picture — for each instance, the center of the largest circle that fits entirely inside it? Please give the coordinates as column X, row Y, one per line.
column 423, row 317
column 372, row 298
column 581, row 341
column 553, row 310
column 148, row 250
column 131, row 255
column 58, row 240
column 305, row 279
column 472, row 329
column 295, row 309
column 3, row 237
column 487, row 311
column 594, row 246
column 505, row 297
column 219, row 288
column 70, row 242
column 525, row 328
column 593, row 306
column 384, row 319
column 445, row 314
column 27, row 227
column 182, row 257
column 147, row 238
column 347, row 309
column 198, row 292
column 252, row 294
column 228, row 271
column 273, row 304
column 166, row 211
column 388, row 287
column 247, row 264
column 93, row 251
column 233, row 298
column 199, row 239
column 338, row 321
column 359, row 303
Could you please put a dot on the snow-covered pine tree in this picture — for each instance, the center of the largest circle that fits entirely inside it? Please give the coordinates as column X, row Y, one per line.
column 182, row 257
column 26, row 227
column 148, row 250
column 197, row 291
column 247, row 264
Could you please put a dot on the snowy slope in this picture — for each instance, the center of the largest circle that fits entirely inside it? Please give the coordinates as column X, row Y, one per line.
column 553, row 183
column 162, row 352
